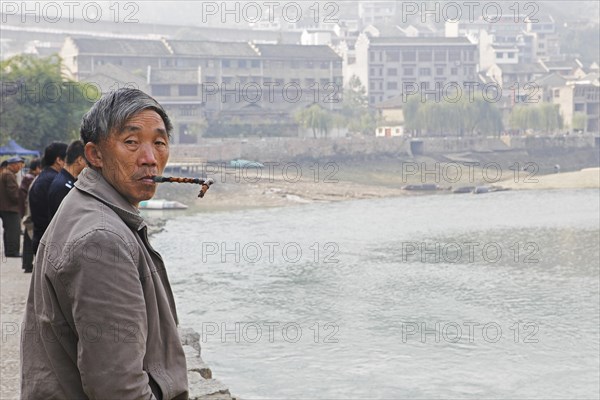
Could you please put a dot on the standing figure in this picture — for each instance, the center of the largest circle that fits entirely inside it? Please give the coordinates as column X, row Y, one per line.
column 53, row 161
column 64, row 181
column 9, row 207
column 35, row 167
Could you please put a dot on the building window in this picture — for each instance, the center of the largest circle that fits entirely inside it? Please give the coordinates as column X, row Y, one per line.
column 242, row 63
column 409, row 55
column 392, row 56
column 409, row 71
column 579, row 107
column 454, row 55
column 225, row 63
column 210, row 79
column 439, row 55
column 500, row 55
column 161, row 90
column 188, row 90
column 439, row 71
column 392, row 85
column 424, row 55
column 425, row 71
column 309, row 64
column 372, row 71
column 295, row 64
column 255, row 63
column 324, row 65
column 454, row 71
column 392, row 72
column 511, row 55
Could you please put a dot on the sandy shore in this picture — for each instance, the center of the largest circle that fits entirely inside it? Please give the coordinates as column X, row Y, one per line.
column 350, row 184
column 14, row 285
column 588, row 178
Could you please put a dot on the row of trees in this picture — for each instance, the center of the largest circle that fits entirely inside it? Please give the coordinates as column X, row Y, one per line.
column 40, row 105
column 465, row 117
column 543, row 117
column 355, row 113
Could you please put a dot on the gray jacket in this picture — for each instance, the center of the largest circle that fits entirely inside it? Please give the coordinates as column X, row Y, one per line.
column 100, row 321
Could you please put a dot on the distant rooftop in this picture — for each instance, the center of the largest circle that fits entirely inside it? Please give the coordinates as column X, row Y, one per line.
column 418, row 41
column 121, row 46
column 209, row 48
column 296, row 51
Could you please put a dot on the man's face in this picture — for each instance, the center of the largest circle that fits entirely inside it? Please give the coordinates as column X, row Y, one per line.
column 15, row 167
column 130, row 158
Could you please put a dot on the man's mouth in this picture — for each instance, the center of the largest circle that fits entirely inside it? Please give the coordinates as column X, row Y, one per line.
column 147, row 179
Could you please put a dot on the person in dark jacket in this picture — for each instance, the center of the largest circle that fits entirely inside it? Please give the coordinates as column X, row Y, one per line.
column 64, row 181
column 100, row 320
column 35, row 167
column 53, row 161
column 9, row 207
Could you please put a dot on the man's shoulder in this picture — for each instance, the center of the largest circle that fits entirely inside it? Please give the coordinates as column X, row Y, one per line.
column 60, row 184
column 83, row 220
column 43, row 180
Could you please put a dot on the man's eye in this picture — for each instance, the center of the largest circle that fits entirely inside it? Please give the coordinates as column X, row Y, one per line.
column 130, row 141
column 161, row 143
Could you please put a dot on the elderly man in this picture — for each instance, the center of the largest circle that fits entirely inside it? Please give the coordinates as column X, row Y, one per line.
column 100, row 321
column 9, row 207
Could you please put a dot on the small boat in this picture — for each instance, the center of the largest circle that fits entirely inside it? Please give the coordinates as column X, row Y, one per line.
column 161, row 204
column 464, row 189
column 482, row 189
column 489, row 189
column 425, row 186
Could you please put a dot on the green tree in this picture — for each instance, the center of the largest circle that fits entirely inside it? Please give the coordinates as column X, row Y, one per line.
column 543, row 117
column 39, row 105
column 315, row 118
column 356, row 114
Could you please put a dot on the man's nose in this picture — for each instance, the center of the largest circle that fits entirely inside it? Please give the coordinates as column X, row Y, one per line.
column 146, row 155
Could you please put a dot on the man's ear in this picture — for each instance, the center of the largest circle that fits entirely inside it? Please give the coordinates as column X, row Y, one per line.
column 93, row 154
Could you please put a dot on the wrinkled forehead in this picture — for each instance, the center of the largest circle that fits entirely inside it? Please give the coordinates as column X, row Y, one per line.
column 146, row 120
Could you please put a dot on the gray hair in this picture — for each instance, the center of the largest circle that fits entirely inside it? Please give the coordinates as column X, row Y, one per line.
column 114, row 109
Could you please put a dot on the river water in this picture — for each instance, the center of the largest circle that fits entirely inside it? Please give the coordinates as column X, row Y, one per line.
column 438, row 296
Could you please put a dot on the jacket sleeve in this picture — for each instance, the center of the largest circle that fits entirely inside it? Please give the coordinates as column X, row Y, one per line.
column 12, row 188
column 109, row 313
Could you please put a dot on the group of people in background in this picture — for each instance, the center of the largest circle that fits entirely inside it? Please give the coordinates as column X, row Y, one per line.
column 34, row 202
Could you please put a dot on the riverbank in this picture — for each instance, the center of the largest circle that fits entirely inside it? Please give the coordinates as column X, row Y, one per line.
column 304, row 183
column 14, row 287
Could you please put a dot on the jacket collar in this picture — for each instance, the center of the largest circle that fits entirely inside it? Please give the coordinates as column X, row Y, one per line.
column 93, row 183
